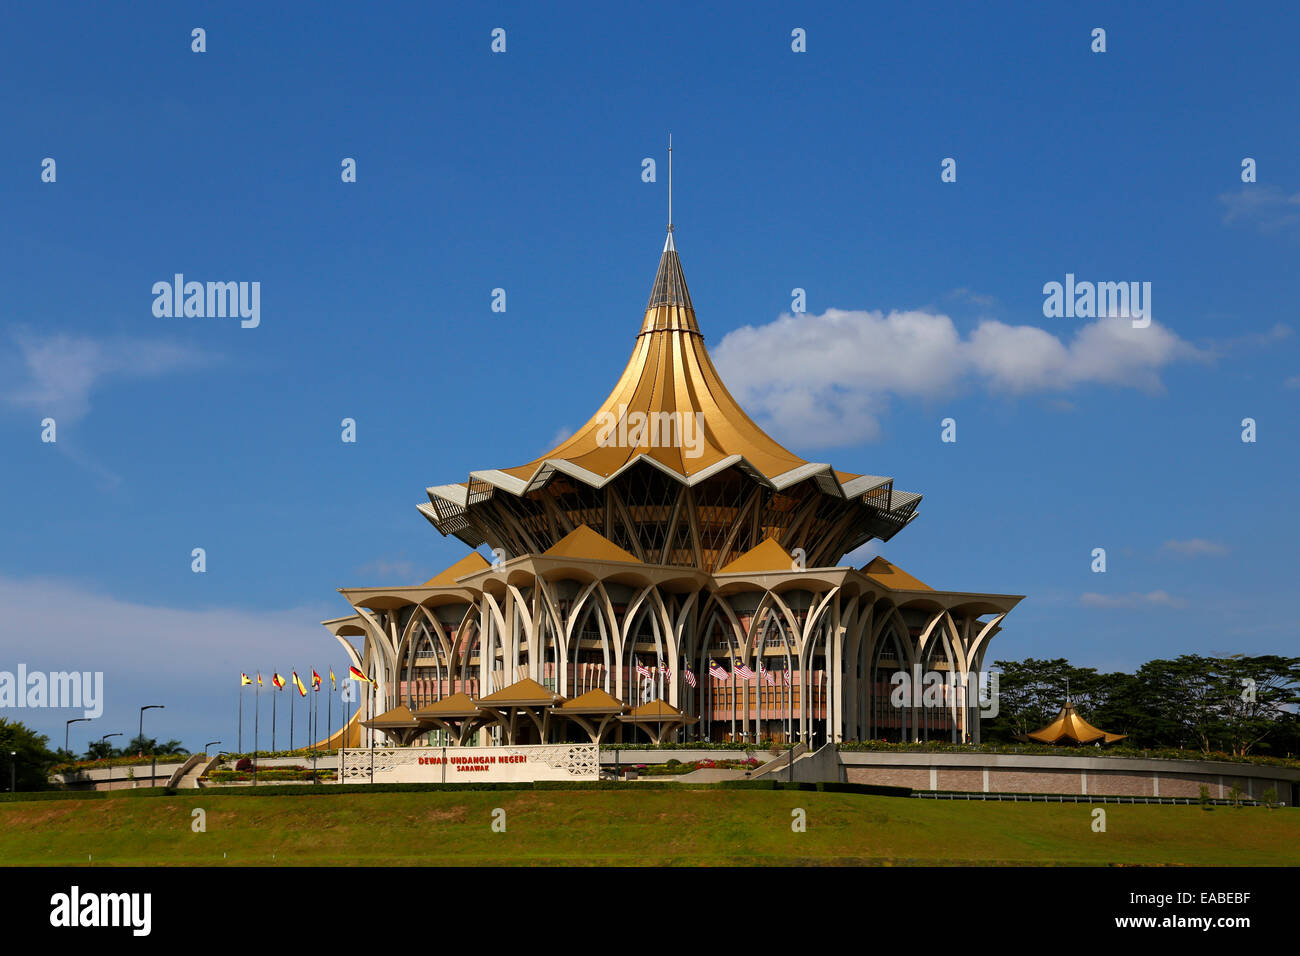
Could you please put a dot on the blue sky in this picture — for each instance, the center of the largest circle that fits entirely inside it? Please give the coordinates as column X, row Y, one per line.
column 522, row 170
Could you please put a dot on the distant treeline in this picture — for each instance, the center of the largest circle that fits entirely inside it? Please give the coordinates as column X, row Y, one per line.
column 1236, row 705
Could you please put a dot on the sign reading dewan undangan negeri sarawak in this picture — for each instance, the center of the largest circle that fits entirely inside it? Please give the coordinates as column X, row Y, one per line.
column 471, row 764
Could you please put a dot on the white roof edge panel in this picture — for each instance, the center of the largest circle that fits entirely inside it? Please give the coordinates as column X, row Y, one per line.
column 456, row 494
column 499, row 479
column 863, row 484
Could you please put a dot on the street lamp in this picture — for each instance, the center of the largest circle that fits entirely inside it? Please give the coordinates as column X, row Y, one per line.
column 67, row 726
column 13, row 771
column 209, row 744
column 140, row 737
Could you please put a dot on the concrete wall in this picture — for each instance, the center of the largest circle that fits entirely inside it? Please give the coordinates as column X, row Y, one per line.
column 116, row 778
column 1066, row 774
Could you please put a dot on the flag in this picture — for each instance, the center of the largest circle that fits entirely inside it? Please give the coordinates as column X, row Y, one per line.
column 668, row 674
column 278, row 681
column 743, row 672
column 357, row 675
column 642, row 670
column 785, row 672
column 332, row 679
column 315, row 680
column 690, row 676
column 768, row 679
column 259, row 678
column 302, row 691
column 717, row 672
column 244, row 679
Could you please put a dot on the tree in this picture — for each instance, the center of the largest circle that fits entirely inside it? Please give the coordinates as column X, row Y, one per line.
column 101, row 750
column 33, row 758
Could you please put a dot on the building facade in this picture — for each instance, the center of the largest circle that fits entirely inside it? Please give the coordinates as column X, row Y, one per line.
column 668, row 572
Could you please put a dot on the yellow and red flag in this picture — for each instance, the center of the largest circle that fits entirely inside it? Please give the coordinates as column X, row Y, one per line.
column 315, row 680
column 302, row 691
column 259, row 678
column 278, row 681
column 357, row 675
column 332, row 679
column 243, row 679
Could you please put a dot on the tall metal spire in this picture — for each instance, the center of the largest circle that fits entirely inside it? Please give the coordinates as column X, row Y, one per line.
column 670, row 183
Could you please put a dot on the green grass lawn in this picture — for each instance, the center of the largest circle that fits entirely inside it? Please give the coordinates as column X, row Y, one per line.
column 632, row 827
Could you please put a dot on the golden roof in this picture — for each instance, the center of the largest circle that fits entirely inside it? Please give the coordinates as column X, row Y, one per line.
column 467, row 565
column 400, row 717
column 451, row 706
column 1069, row 726
column 655, row 710
column 892, row 576
column 669, row 371
column 524, row 693
column 766, row 556
column 595, row 701
column 583, row 542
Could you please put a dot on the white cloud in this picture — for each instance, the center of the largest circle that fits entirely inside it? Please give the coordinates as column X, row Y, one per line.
column 1134, row 600
column 393, row 572
column 58, row 373
column 1268, row 207
column 828, row 378
column 1195, row 547
column 188, row 659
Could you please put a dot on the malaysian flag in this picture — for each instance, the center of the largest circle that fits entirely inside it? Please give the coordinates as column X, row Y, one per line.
column 741, row 671
column 690, row 676
column 786, row 673
column 668, row 674
column 717, row 671
column 768, row 679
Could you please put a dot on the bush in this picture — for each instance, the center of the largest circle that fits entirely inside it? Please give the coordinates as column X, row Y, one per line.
column 244, row 764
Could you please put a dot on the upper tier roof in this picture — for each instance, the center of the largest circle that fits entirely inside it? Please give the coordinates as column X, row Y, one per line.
column 670, row 372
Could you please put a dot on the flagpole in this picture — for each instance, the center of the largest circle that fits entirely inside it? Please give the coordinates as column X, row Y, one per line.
column 291, row 710
column 241, row 716
column 273, row 713
column 257, row 716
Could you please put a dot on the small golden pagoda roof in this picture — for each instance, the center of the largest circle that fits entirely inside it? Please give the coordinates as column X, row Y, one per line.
column 524, row 693
column 399, row 718
column 467, row 565
column 1070, row 727
column 583, row 542
column 765, row 556
column 595, row 701
column 451, row 706
column 892, row 576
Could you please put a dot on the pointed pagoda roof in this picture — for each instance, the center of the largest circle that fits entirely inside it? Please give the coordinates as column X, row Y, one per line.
column 595, row 701
column 584, row 542
column 523, row 693
column 892, row 576
column 768, row 555
column 1071, row 728
column 451, row 706
column 399, row 718
column 467, row 565
column 671, row 409
column 655, row 710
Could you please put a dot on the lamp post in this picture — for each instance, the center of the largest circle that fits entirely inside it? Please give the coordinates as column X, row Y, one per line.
column 209, row 744
column 13, row 771
column 67, row 726
column 140, row 737
column 106, row 736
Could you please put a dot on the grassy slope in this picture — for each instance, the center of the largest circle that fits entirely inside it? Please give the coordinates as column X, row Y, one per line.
column 701, row 827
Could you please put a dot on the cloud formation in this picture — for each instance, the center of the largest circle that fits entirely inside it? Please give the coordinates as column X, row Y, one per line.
column 1133, row 600
column 57, row 374
column 828, row 378
column 1267, row 207
column 1195, row 547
